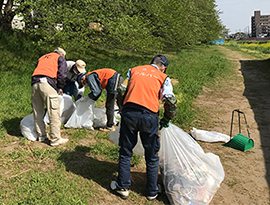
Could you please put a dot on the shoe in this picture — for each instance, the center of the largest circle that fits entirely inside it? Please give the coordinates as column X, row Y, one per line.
column 123, row 193
column 42, row 139
column 152, row 198
column 58, row 142
column 107, row 129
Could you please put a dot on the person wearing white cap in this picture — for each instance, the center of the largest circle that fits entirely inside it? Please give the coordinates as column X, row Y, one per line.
column 73, row 70
column 48, row 80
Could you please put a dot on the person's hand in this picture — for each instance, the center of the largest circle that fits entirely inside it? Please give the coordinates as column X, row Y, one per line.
column 163, row 123
column 60, row 91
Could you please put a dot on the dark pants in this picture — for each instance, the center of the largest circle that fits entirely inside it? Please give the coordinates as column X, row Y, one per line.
column 110, row 109
column 132, row 122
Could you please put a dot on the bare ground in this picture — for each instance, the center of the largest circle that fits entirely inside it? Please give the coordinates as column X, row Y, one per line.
column 246, row 173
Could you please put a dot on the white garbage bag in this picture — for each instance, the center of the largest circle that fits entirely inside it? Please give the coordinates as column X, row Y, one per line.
column 209, row 136
column 189, row 175
column 138, row 149
column 67, row 107
column 83, row 115
column 28, row 128
column 100, row 117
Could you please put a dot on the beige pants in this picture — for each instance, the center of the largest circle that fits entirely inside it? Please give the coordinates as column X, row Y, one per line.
column 44, row 94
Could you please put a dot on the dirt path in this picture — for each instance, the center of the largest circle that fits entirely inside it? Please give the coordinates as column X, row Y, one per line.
column 247, row 176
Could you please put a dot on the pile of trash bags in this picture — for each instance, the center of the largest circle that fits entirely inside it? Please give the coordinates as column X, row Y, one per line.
column 79, row 115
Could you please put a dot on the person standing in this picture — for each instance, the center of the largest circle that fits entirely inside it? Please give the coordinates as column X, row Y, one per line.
column 73, row 70
column 48, row 79
column 97, row 80
column 146, row 85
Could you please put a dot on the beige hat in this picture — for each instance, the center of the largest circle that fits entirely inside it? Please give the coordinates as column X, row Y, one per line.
column 61, row 51
column 80, row 64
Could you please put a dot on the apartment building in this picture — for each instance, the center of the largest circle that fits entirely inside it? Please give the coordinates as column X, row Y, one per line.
column 260, row 25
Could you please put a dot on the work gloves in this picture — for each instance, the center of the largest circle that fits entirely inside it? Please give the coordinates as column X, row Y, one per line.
column 163, row 123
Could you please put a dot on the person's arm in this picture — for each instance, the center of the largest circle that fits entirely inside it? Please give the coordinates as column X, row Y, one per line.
column 170, row 107
column 94, row 85
column 62, row 72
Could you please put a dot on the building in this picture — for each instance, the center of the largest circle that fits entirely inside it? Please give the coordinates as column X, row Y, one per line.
column 260, row 25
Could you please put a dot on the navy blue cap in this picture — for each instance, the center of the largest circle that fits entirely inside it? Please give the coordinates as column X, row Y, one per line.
column 161, row 58
column 80, row 76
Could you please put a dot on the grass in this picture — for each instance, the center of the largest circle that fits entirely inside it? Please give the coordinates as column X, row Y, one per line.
column 258, row 49
column 80, row 172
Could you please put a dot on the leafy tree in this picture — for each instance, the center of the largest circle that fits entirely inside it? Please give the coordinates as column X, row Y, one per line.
column 135, row 25
column 7, row 14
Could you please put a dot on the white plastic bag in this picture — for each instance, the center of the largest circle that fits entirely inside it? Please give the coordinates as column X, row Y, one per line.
column 82, row 116
column 189, row 175
column 100, row 117
column 209, row 136
column 138, row 149
column 28, row 128
column 67, row 107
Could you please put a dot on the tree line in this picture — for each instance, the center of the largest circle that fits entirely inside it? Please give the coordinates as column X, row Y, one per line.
column 134, row 25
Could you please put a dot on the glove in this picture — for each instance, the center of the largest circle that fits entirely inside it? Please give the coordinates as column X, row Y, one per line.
column 163, row 123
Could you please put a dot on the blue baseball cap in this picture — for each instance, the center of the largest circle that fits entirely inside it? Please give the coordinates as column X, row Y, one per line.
column 162, row 59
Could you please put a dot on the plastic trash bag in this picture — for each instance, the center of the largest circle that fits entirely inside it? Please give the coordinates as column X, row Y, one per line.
column 100, row 117
column 67, row 107
column 209, row 136
column 83, row 115
column 28, row 128
column 189, row 175
column 138, row 149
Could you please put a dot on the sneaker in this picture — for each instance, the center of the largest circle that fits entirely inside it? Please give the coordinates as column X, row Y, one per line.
column 107, row 129
column 152, row 198
column 123, row 193
column 42, row 139
column 58, row 142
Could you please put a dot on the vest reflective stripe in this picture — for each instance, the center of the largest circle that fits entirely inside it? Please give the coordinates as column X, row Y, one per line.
column 104, row 75
column 47, row 65
column 144, row 86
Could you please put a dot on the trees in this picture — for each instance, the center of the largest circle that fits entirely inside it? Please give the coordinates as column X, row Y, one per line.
column 136, row 25
column 7, row 14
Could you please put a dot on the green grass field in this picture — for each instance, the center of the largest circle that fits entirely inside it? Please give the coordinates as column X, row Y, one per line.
column 76, row 173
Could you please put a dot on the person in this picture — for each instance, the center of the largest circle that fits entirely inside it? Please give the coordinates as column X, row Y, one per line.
column 73, row 70
column 48, row 79
column 97, row 80
column 146, row 85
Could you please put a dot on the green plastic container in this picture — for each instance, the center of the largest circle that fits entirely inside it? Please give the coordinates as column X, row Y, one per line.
column 240, row 142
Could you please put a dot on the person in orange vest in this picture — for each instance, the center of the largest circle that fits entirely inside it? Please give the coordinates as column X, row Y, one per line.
column 48, row 79
column 98, row 80
column 141, row 91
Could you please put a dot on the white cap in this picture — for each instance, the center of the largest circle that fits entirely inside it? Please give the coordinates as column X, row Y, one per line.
column 80, row 65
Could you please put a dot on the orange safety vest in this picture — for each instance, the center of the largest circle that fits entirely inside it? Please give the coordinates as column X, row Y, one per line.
column 47, row 65
column 104, row 75
column 144, row 86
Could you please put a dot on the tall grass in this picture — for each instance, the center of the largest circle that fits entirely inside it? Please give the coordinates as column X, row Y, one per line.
column 75, row 173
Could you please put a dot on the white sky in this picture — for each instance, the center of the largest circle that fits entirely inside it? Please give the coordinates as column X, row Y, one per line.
column 236, row 14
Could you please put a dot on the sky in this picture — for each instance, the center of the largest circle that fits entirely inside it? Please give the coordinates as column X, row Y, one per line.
column 236, row 14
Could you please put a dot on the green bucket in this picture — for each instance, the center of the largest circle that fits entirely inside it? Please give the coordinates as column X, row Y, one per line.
column 240, row 142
